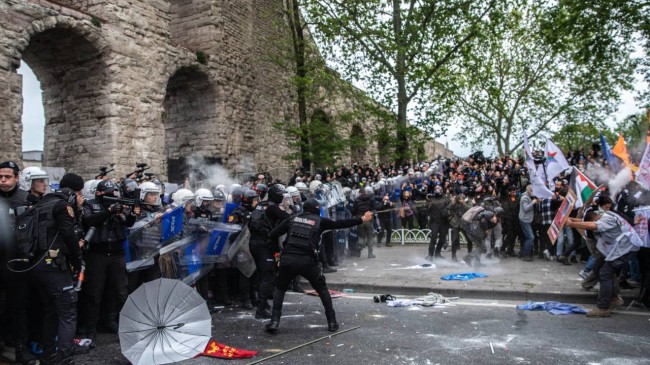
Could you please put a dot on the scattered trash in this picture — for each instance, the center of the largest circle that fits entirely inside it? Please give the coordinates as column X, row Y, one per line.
column 432, row 299
column 348, row 291
column 464, row 276
column 492, row 348
column 383, row 298
column 552, row 307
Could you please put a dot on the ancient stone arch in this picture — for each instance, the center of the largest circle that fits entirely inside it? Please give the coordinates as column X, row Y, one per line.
column 67, row 57
column 357, row 144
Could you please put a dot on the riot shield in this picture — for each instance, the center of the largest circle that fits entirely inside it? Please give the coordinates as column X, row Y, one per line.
column 239, row 253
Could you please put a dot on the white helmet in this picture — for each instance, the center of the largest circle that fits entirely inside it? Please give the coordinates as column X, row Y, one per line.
column 182, row 196
column 302, row 187
column 293, row 191
column 32, row 173
column 89, row 189
column 314, row 185
column 233, row 187
column 202, row 195
column 149, row 188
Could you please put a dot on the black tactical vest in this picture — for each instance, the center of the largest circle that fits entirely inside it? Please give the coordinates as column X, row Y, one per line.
column 304, row 235
column 47, row 227
column 110, row 234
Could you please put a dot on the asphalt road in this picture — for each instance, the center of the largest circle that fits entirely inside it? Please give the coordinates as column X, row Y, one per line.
column 465, row 332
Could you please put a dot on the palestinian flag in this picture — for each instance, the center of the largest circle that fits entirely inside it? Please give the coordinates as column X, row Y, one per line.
column 221, row 351
column 582, row 186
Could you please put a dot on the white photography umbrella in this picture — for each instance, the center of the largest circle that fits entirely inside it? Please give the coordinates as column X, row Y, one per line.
column 164, row 321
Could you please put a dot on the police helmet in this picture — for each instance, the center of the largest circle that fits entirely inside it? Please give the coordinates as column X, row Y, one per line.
column 293, row 191
column 182, row 196
column 302, row 187
column 314, row 185
column 276, row 193
column 202, row 195
column 249, row 197
column 127, row 189
column 89, row 189
column 311, row 205
column 32, row 173
column 498, row 211
column 219, row 195
column 261, row 190
column 147, row 188
column 368, row 190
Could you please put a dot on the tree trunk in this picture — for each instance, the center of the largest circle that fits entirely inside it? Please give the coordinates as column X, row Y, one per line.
column 298, row 38
column 402, row 145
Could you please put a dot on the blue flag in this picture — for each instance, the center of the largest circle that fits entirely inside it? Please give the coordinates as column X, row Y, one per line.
column 607, row 154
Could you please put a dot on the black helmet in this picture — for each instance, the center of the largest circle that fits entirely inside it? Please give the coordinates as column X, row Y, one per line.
column 485, row 220
column 236, row 194
column 248, row 197
column 261, row 189
column 276, row 193
column 218, row 195
column 128, row 187
column 311, row 205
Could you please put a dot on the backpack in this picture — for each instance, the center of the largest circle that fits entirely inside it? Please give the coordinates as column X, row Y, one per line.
column 259, row 223
column 26, row 230
column 469, row 215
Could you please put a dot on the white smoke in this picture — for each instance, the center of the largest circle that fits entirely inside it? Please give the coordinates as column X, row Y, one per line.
column 615, row 182
column 205, row 175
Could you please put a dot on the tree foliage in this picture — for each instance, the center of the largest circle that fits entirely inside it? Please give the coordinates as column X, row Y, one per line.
column 517, row 81
column 397, row 49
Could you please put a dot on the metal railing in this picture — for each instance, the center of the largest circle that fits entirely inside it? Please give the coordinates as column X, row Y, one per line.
column 407, row 236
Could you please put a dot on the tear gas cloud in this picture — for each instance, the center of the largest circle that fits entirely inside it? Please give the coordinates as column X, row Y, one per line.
column 203, row 174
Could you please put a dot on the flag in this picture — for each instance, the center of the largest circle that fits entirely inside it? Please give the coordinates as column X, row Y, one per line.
column 607, row 155
column 643, row 174
column 648, row 136
column 556, row 163
column 620, row 150
column 539, row 187
column 215, row 349
column 582, row 186
column 530, row 161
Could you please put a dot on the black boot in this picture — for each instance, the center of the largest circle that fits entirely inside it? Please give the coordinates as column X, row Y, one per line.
column 24, row 356
column 263, row 309
column 246, row 304
column 91, row 334
column 272, row 327
column 332, row 325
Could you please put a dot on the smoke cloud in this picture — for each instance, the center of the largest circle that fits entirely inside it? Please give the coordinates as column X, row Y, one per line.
column 205, row 175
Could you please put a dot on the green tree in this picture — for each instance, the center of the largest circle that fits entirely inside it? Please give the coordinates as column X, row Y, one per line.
column 516, row 81
column 397, row 49
column 635, row 130
column 575, row 136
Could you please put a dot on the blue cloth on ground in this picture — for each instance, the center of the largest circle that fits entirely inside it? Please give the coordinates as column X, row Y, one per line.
column 552, row 307
column 464, row 276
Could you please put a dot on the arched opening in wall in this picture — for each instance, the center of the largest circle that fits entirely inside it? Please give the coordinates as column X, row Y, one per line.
column 325, row 145
column 189, row 121
column 33, row 118
column 357, row 144
column 71, row 73
column 383, row 145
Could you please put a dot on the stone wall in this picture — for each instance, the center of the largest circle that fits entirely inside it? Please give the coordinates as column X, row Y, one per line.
column 122, row 83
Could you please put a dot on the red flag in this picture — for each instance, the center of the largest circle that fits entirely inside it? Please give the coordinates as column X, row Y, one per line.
column 215, row 349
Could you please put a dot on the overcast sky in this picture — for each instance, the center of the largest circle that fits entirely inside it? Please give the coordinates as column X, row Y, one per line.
column 34, row 123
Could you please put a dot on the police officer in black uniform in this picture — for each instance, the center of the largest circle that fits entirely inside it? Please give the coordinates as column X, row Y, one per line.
column 57, row 257
column 105, row 255
column 14, row 286
column 241, row 215
column 300, row 257
column 266, row 216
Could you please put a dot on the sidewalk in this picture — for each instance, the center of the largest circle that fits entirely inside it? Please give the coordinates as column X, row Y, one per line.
column 393, row 272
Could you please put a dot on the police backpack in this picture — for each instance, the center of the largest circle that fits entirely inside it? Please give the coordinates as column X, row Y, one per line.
column 31, row 228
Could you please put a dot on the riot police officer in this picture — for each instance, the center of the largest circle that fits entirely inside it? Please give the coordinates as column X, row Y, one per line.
column 300, row 257
column 264, row 218
column 57, row 256
column 105, row 255
column 15, row 285
column 241, row 215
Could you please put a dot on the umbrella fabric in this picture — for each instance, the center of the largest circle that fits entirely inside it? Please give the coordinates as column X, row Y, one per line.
column 464, row 276
column 552, row 307
column 164, row 321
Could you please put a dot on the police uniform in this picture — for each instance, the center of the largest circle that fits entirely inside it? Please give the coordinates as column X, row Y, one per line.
column 300, row 257
column 263, row 251
column 105, row 260
column 53, row 275
column 241, row 215
column 14, row 287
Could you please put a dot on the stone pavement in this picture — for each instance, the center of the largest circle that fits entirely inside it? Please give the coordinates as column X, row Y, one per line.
column 395, row 271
